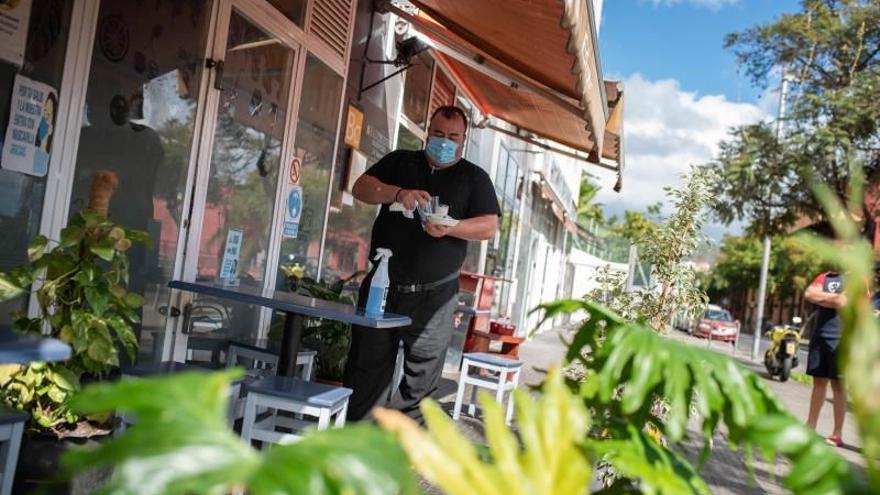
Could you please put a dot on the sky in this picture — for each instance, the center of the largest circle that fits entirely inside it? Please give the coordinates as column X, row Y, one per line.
column 682, row 88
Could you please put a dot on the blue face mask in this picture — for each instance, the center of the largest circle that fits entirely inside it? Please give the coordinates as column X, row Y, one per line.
column 42, row 130
column 441, row 150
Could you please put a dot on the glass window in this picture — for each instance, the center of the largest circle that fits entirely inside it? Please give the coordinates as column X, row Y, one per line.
column 21, row 196
column 244, row 168
column 406, row 140
column 501, row 169
column 139, row 122
column 315, row 138
column 295, row 10
column 417, row 88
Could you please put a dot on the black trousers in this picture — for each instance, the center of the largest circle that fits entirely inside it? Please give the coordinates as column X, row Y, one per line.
column 373, row 352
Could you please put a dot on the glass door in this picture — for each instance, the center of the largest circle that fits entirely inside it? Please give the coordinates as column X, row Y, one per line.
column 140, row 121
column 236, row 190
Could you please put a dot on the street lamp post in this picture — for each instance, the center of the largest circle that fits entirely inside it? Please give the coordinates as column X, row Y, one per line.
column 765, row 261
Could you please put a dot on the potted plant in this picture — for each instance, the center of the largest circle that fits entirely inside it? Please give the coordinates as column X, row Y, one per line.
column 80, row 285
column 331, row 339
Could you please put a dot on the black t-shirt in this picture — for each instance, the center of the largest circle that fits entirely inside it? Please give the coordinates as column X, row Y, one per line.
column 827, row 320
column 418, row 257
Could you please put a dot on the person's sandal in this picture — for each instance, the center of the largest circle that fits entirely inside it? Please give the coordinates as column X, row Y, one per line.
column 835, row 441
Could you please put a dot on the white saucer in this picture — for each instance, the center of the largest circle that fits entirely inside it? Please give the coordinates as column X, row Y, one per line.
column 443, row 220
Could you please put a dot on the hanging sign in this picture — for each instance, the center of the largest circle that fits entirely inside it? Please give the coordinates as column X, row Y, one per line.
column 231, row 254
column 293, row 211
column 354, row 124
column 29, row 135
column 14, row 18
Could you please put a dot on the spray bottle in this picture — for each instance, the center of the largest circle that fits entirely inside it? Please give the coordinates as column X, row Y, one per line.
column 379, row 285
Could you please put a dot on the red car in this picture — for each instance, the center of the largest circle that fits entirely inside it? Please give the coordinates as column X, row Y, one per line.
column 717, row 321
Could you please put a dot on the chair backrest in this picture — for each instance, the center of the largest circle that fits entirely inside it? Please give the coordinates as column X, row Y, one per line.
column 250, row 358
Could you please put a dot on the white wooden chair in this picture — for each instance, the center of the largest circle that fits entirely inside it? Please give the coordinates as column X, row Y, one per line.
column 492, row 372
column 300, row 398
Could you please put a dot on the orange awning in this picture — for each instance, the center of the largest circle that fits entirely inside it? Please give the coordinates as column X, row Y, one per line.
column 532, row 63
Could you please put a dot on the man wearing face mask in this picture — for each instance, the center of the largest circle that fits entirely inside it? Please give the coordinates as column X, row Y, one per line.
column 425, row 265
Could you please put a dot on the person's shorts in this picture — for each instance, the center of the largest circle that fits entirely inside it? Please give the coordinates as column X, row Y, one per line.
column 822, row 357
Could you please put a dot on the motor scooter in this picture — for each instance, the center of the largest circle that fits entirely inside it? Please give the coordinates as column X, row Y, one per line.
column 782, row 354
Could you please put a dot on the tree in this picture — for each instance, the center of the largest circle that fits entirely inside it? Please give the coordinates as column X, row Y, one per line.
column 588, row 210
column 637, row 226
column 737, row 267
column 665, row 246
column 830, row 54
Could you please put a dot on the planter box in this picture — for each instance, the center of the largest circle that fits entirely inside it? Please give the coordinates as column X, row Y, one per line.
column 39, row 468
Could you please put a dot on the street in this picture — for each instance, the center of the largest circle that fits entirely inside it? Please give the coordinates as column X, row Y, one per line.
column 744, row 348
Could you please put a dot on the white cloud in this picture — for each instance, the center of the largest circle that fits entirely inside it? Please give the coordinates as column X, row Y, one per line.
column 709, row 4
column 667, row 129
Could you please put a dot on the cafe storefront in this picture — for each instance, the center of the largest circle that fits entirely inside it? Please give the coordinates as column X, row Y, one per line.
column 235, row 129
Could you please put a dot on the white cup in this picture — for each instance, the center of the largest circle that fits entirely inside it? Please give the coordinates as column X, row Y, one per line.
column 442, row 210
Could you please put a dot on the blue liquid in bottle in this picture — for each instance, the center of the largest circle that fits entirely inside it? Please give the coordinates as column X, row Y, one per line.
column 376, row 301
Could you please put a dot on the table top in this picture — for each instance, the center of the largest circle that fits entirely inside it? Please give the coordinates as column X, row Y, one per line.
column 295, row 303
column 22, row 349
column 510, row 339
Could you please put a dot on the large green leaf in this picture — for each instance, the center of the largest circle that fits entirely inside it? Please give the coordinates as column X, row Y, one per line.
column 139, row 236
column 9, row 289
column 37, row 247
column 71, row 235
column 358, row 460
column 549, row 460
column 657, row 470
column 133, row 300
column 104, row 248
column 630, row 366
column 98, row 298
column 182, row 444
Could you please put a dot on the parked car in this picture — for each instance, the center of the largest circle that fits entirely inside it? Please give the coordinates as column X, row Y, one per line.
column 717, row 321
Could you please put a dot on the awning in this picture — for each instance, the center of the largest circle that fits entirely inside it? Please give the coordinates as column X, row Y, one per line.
column 531, row 63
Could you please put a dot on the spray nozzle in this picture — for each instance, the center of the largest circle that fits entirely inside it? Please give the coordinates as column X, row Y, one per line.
column 382, row 253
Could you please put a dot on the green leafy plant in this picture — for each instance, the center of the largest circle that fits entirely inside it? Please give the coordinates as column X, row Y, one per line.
column 568, row 429
column 547, row 459
column 666, row 247
column 860, row 329
column 331, row 339
column 628, row 366
column 182, row 444
column 80, row 285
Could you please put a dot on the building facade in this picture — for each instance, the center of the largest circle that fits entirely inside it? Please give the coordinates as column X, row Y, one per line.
column 237, row 127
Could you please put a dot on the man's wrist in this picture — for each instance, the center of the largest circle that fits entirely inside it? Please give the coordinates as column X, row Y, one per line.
column 397, row 193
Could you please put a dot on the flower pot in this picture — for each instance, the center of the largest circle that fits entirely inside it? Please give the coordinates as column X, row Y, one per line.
column 39, row 467
column 501, row 329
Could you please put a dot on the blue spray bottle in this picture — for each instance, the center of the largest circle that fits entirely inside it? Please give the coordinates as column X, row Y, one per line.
column 379, row 285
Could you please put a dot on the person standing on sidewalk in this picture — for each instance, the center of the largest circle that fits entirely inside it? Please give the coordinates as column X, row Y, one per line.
column 424, row 266
column 826, row 291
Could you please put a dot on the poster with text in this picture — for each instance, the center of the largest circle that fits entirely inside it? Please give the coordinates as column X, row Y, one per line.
column 14, row 17
column 231, row 254
column 31, row 128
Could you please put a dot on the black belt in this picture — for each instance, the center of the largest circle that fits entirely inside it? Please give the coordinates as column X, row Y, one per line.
column 412, row 288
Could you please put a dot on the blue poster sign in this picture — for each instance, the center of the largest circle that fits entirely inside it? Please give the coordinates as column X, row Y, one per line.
column 293, row 211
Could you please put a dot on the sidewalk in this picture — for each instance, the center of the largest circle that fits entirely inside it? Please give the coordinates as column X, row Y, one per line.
column 725, row 471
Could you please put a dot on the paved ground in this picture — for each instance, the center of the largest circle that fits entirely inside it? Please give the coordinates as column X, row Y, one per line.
column 726, row 471
column 795, row 396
